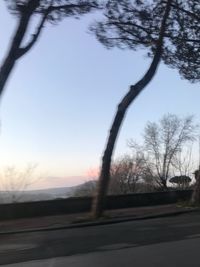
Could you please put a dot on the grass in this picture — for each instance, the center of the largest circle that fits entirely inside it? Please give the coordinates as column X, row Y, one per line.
column 187, row 204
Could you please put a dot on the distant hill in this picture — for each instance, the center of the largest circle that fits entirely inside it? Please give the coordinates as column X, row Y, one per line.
column 58, row 191
column 37, row 195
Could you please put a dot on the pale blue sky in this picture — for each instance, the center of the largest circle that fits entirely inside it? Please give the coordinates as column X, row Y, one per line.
column 61, row 98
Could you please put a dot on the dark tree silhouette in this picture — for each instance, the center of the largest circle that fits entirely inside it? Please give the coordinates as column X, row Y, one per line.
column 135, row 90
column 181, row 181
column 51, row 11
column 136, row 24
column 169, row 30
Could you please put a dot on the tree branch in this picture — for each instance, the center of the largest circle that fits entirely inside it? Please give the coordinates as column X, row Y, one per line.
column 193, row 15
column 24, row 50
column 45, row 13
column 72, row 6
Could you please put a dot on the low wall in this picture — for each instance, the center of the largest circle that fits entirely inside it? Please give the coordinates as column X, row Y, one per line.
column 83, row 204
column 147, row 199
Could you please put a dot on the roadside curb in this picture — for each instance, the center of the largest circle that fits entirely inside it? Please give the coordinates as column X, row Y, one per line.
column 100, row 222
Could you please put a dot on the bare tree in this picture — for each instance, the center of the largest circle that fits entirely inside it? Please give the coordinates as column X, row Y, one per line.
column 44, row 11
column 164, row 142
column 126, row 172
column 182, row 168
column 183, row 163
column 14, row 182
column 150, row 181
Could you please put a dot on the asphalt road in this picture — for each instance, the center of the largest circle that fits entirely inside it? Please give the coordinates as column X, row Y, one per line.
column 183, row 253
column 172, row 241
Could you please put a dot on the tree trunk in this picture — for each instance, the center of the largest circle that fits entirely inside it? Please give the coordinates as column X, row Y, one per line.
column 195, row 200
column 164, row 184
column 12, row 55
column 135, row 90
column 5, row 72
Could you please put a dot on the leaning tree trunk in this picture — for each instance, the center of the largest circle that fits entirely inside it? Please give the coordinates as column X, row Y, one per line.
column 135, row 90
column 5, row 72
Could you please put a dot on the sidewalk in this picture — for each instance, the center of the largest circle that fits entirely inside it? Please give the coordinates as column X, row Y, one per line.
column 83, row 219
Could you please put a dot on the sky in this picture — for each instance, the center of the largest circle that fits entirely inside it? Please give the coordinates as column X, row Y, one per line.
column 61, row 98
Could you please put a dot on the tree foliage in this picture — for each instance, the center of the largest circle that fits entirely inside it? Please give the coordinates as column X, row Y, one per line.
column 136, row 24
column 53, row 10
column 182, row 182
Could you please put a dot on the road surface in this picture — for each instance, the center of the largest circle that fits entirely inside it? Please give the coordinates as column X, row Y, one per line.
column 172, row 241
